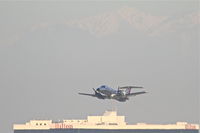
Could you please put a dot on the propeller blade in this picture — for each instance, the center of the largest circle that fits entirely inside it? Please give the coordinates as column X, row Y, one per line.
column 95, row 91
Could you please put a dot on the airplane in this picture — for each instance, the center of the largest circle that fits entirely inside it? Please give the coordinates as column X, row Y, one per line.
column 121, row 94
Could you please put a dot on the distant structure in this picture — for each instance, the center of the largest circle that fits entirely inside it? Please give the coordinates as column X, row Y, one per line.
column 107, row 123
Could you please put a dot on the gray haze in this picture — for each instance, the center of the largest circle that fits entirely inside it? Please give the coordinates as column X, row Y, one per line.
column 50, row 51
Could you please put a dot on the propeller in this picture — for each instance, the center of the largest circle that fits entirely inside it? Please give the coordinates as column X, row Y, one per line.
column 95, row 91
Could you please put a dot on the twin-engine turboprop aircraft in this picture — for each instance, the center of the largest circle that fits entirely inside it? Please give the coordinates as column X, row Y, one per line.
column 121, row 94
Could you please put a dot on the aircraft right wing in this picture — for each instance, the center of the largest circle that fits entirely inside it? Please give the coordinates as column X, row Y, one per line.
column 93, row 95
column 136, row 93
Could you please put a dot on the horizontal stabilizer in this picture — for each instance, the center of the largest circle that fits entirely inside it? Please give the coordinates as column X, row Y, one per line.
column 128, row 87
column 136, row 93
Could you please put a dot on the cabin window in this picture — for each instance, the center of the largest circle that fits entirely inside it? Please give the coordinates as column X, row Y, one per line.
column 36, row 124
column 45, row 124
column 40, row 124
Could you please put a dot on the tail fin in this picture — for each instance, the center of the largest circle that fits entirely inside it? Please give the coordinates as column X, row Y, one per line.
column 125, row 90
column 128, row 90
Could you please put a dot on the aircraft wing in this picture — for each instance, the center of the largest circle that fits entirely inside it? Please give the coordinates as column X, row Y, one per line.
column 136, row 93
column 93, row 95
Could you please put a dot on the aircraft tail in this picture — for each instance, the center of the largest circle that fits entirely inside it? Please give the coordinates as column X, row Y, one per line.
column 127, row 89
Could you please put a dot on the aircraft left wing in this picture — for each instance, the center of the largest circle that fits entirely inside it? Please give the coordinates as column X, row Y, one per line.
column 136, row 93
column 93, row 95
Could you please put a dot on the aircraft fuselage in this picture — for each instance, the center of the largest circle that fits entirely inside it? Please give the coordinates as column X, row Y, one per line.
column 121, row 94
column 110, row 93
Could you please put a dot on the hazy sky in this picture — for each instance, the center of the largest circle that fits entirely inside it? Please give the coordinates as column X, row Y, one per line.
column 50, row 51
